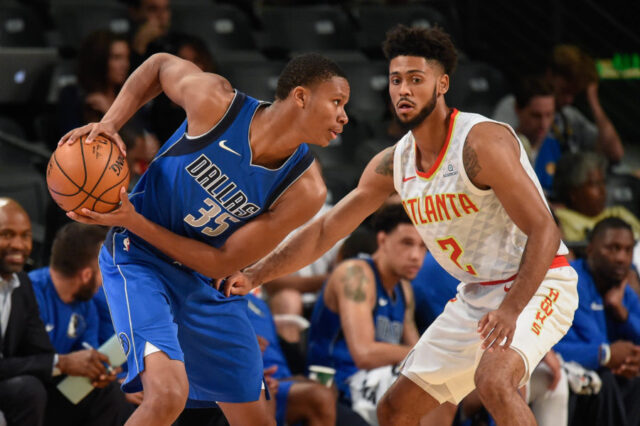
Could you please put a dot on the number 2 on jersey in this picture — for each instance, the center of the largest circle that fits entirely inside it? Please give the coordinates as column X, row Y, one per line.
column 455, row 254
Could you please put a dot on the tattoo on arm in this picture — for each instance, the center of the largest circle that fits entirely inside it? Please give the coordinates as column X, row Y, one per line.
column 470, row 161
column 385, row 167
column 354, row 282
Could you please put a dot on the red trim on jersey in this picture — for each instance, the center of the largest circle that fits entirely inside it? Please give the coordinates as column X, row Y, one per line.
column 499, row 281
column 558, row 262
column 443, row 151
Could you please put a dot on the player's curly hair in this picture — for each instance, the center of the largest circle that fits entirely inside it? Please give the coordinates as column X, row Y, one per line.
column 430, row 43
column 388, row 217
column 306, row 70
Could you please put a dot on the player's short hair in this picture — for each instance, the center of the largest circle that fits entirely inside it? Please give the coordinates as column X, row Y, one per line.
column 432, row 44
column 75, row 246
column 606, row 224
column 531, row 86
column 388, row 217
column 574, row 65
column 572, row 171
column 306, row 70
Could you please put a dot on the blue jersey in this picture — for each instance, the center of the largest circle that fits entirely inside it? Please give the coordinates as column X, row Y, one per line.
column 264, row 326
column 105, row 328
column 327, row 345
column 67, row 324
column 203, row 188
column 433, row 287
column 206, row 187
column 592, row 325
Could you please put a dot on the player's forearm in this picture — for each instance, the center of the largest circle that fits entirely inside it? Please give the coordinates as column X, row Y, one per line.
column 542, row 246
column 191, row 253
column 296, row 282
column 378, row 354
column 141, row 86
column 291, row 255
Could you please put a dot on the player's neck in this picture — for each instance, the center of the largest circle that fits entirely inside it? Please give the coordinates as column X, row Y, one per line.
column 65, row 286
column 431, row 134
column 271, row 138
column 389, row 278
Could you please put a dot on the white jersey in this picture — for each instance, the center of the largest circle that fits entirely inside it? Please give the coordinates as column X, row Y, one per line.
column 466, row 228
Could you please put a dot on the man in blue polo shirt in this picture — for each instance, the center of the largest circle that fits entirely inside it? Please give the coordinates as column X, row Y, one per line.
column 605, row 335
column 64, row 292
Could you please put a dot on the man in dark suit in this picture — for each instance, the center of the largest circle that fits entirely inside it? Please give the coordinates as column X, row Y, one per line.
column 26, row 354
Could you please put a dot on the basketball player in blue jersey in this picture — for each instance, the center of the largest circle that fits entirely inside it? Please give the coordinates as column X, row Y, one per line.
column 364, row 316
column 230, row 184
column 473, row 196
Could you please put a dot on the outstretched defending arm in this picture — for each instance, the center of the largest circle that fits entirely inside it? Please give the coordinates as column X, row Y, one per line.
column 376, row 184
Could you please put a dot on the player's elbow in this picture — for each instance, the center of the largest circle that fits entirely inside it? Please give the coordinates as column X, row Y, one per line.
column 363, row 360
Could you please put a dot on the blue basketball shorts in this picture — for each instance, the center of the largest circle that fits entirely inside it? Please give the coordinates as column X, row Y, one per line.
column 176, row 310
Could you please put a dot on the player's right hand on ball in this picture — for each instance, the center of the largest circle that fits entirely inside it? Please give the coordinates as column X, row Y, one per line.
column 237, row 284
column 92, row 130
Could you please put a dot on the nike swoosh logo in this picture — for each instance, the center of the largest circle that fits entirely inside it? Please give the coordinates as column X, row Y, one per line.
column 223, row 145
column 408, row 178
column 506, row 289
column 383, row 302
column 596, row 306
column 48, row 327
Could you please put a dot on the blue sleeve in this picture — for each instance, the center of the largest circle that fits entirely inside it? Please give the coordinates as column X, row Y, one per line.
column 42, row 304
column 630, row 329
column 582, row 342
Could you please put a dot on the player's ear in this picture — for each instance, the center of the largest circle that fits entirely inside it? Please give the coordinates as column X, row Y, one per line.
column 380, row 237
column 443, row 84
column 86, row 274
column 300, row 96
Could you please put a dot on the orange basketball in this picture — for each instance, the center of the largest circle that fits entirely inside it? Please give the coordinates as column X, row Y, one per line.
column 87, row 175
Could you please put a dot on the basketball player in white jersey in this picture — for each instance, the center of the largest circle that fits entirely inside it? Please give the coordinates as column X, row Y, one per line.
column 469, row 189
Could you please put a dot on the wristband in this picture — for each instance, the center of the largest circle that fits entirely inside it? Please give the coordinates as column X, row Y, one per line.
column 56, row 370
column 604, row 354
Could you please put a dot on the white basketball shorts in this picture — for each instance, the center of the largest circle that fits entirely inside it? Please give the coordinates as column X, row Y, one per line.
column 444, row 360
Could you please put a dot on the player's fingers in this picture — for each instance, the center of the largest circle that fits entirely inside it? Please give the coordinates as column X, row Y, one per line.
column 124, row 198
column 486, row 324
column 93, row 133
column 102, row 357
column 80, row 218
column 118, row 140
column 270, row 370
column 508, row 341
column 495, row 339
column 487, row 328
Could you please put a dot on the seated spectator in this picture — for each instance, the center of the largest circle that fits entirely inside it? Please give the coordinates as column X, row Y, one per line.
column 606, row 328
column 572, row 72
column 164, row 115
column 363, row 318
column 64, row 292
column 103, row 67
column 297, row 398
column 26, row 354
column 535, row 108
column 151, row 21
column 579, row 185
